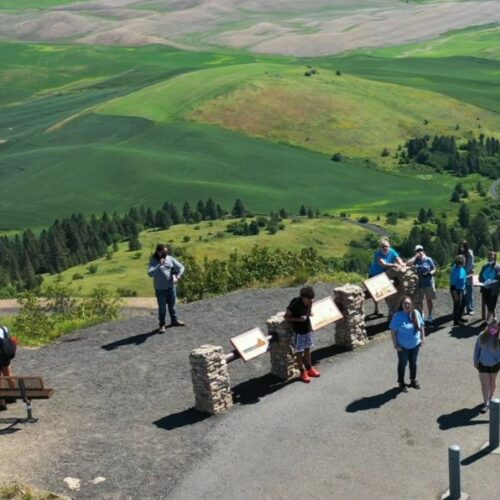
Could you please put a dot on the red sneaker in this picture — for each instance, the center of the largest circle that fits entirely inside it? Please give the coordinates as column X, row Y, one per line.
column 304, row 377
column 312, row 372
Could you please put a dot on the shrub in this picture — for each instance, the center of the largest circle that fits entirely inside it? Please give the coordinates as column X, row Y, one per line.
column 385, row 152
column 92, row 268
column 136, row 256
column 109, row 255
column 337, row 157
column 364, row 219
column 186, row 239
column 126, row 292
column 77, row 276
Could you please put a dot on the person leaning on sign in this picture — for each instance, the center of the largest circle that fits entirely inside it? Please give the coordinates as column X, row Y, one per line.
column 384, row 258
column 426, row 288
column 298, row 313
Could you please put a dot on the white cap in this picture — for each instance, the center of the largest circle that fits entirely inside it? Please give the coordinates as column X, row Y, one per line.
column 418, row 248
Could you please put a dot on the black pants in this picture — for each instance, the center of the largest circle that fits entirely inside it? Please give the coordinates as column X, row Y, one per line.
column 406, row 356
column 458, row 297
column 490, row 299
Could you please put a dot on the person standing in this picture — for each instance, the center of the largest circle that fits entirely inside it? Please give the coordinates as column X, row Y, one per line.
column 298, row 313
column 487, row 362
column 384, row 258
column 166, row 272
column 458, row 278
column 426, row 287
column 407, row 332
column 490, row 278
column 468, row 254
column 8, row 349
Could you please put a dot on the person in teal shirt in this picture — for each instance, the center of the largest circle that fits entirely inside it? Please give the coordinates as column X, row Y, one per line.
column 458, row 279
column 407, row 331
column 384, row 258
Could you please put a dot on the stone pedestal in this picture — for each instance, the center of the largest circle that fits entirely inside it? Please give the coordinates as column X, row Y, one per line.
column 350, row 331
column 405, row 282
column 210, row 379
column 283, row 363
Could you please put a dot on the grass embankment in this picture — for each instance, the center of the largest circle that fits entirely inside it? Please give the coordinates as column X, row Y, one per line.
column 18, row 491
column 330, row 237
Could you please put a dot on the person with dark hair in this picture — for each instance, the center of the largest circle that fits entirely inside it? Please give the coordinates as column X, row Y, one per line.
column 166, row 272
column 8, row 347
column 298, row 313
column 407, row 332
column 384, row 258
column 458, row 277
column 426, row 288
column 490, row 279
column 487, row 362
column 463, row 249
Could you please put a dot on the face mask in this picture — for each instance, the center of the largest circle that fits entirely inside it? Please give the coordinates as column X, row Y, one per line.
column 493, row 330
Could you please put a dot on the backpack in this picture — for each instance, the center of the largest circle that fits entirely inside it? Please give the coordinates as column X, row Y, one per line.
column 7, row 345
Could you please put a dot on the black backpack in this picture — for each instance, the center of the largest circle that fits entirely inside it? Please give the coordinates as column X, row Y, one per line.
column 7, row 345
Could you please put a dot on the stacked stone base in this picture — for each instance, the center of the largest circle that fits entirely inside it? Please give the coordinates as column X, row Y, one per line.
column 282, row 354
column 405, row 281
column 350, row 331
column 210, row 378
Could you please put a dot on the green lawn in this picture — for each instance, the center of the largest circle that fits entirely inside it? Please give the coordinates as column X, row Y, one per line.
column 34, row 4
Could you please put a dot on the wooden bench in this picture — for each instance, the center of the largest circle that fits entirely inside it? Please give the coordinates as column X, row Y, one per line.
column 25, row 388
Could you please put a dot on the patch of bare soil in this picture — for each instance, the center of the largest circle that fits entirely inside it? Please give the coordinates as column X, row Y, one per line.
column 286, row 27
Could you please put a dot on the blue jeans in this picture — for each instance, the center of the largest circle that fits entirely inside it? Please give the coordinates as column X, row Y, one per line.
column 405, row 356
column 166, row 298
column 469, row 296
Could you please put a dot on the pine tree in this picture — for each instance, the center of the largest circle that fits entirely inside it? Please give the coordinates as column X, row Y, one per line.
column 238, row 209
column 463, row 216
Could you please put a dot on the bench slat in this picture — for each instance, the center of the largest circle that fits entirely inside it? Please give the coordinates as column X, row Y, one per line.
column 30, row 393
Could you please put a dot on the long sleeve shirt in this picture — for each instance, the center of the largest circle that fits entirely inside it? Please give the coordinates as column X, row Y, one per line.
column 163, row 273
column 486, row 354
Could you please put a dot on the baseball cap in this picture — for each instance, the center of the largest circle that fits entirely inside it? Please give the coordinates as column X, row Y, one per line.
column 418, row 248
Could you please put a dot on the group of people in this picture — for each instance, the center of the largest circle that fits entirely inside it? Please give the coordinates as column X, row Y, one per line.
column 407, row 325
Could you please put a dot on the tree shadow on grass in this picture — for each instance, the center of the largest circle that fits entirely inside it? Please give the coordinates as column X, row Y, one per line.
column 460, row 418
column 372, row 402
column 135, row 340
column 181, row 419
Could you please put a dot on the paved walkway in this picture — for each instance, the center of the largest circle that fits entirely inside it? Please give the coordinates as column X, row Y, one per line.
column 123, row 411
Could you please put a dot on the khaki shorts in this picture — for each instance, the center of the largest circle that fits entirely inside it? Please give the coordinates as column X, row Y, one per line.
column 428, row 292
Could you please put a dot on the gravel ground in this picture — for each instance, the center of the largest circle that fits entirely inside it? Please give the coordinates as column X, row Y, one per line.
column 123, row 407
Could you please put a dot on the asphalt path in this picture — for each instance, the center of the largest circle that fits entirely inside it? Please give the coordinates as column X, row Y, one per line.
column 123, row 411
column 493, row 189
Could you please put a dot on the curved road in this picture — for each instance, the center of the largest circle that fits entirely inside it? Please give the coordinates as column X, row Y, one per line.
column 493, row 190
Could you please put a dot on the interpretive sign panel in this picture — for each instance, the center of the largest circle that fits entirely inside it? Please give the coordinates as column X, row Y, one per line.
column 475, row 280
column 324, row 312
column 250, row 344
column 380, row 287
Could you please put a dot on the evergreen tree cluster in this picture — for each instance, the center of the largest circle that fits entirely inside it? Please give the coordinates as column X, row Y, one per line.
column 77, row 240
column 442, row 153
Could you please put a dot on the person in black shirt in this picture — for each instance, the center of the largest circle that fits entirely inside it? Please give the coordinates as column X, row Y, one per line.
column 298, row 313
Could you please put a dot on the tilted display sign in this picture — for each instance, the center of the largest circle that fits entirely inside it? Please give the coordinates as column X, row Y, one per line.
column 324, row 312
column 250, row 344
column 380, row 287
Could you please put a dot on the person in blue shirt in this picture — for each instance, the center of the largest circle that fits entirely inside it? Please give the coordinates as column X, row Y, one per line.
column 407, row 332
column 458, row 278
column 487, row 362
column 489, row 277
column 426, row 288
column 463, row 249
column 166, row 272
column 384, row 258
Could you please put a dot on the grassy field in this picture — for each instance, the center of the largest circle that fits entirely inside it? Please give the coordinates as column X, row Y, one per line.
column 33, row 4
column 329, row 236
column 124, row 120
column 189, row 162
column 482, row 41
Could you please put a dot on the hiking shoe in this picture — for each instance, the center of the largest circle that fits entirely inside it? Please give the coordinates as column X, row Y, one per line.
column 415, row 384
column 484, row 409
column 456, row 323
column 402, row 387
column 177, row 323
column 463, row 320
column 162, row 329
column 304, row 377
column 3, row 407
column 312, row 372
